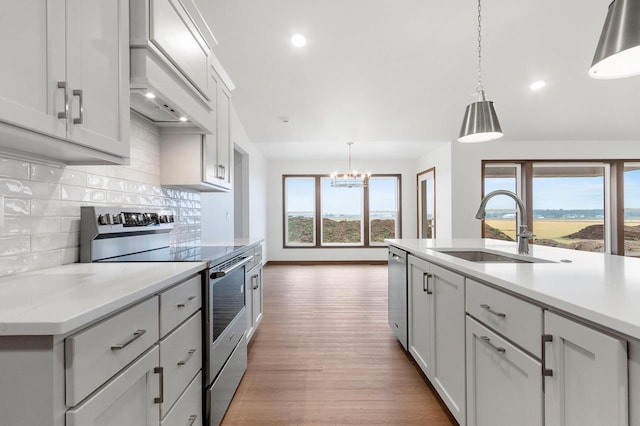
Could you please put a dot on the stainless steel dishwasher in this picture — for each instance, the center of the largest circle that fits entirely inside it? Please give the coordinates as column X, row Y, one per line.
column 398, row 293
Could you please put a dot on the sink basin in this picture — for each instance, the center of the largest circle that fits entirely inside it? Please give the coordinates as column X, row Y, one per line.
column 482, row 256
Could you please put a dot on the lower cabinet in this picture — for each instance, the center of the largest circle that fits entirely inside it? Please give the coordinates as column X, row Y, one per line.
column 436, row 331
column 586, row 375
column 504, row 386
column 188, row 409
column 253, row 299
column 129, row 399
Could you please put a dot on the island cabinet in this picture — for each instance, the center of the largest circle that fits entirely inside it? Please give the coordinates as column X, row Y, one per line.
column 436, row 330
column 64, row 95
column 140, row 366
column 585, row 375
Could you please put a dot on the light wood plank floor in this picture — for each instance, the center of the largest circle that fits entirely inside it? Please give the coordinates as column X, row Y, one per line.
column 325, row 355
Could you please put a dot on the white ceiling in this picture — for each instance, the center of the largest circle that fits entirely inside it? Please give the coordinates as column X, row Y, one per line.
column 395, row 76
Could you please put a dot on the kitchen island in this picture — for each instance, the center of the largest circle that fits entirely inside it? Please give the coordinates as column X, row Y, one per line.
column 490, row 335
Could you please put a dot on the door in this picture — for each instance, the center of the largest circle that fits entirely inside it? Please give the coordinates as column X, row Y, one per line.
column 98, row 74
column 427, row 203
column 420, row 338
column 127, row 400
column 32, row 44
column 586, row 380
column 503, row 382
column 447, row 316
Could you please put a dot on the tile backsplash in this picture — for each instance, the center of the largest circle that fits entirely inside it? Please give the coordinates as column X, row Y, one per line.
column 42, row 203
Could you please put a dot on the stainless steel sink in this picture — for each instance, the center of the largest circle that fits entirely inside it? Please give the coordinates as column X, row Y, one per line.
column 481, row 256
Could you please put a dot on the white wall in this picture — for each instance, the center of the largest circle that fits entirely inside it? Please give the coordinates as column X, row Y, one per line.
column 466, row 161
column 275, row 207
column 440, row 158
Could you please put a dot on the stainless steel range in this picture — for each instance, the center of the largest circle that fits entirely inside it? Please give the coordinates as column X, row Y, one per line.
column 110, row 234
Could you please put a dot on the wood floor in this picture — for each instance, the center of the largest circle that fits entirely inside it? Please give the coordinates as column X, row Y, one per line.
column 324, row 355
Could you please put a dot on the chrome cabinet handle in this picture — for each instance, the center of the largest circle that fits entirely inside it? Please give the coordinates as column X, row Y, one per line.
column 192, row 419
column 63, row 85
column 496, row 348
column 488, row 308
column 136, row 335
column 546, row 372
column 189, row 355
column 78, row 93
column 182, row 305
column 160, row 398
column 254, row 278
column 425, row 282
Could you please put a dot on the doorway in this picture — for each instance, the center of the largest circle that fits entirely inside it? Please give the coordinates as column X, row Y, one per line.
column 426, row 188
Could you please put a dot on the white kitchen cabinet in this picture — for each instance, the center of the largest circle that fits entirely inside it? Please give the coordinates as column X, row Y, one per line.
column 253, row 294
column 504, row 386
column 219, row 148
column 67, row 98
column 586, row 375
column 441, row 330
column 129, row 399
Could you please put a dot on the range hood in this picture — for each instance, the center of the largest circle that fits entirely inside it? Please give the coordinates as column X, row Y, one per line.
column 156, row 109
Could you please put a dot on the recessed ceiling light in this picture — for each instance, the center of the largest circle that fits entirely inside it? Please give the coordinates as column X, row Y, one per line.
column 183, row 118
column 537, row 85
column 298, row 40
column 150, row 95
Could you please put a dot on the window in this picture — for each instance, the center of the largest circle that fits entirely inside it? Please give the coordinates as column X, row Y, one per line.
column 319, row 215
column 300, row 200
column 632, row 209
column 568, row 203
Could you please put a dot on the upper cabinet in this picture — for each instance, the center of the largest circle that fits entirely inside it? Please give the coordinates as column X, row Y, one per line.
column 64, row 88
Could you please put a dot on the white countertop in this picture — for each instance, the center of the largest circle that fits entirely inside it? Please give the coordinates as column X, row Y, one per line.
column 59, row 300
column 601, row 288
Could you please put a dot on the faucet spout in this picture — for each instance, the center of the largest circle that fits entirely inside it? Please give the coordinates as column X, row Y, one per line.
column 524, row 234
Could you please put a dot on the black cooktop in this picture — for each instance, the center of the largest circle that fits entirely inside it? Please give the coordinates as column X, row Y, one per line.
column 180, row 254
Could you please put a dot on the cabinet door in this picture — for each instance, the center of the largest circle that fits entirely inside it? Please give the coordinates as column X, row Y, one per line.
column 504, row 385
column 126, row 400
column 420, row 332
column 588, row 382
column 257, row 296
column 225, row 148
column 248, row 295
column 448, row 339
column 210, row 159
column 32, row 43
column 98, row 74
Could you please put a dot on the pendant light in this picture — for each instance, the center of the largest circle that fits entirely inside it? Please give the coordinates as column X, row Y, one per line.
column 480, row 123
column 618, row 51
column 350, row 179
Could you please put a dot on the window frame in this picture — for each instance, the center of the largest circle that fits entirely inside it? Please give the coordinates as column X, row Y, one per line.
column 286, row 211
column 317, row 232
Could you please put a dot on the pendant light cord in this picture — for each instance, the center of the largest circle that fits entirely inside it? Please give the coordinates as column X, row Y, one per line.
column 479, row 88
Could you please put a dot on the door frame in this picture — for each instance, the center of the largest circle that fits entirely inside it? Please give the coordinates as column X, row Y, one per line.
column 419, row 206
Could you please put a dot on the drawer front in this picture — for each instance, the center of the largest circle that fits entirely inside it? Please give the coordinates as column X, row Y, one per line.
column 181, row 359
column 179, row 303
column 221, row 393
column 516, row 319
column 188, row 409
column 97, row 353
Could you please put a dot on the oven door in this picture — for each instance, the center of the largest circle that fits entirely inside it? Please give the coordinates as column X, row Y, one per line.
column 226, row 318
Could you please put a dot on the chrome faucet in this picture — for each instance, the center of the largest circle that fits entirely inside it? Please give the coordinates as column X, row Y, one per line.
column 524, row 235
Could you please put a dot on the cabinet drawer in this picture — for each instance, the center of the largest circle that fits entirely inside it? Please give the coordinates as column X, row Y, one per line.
column 181, row 359
column 188, row 409
column 179, row 303
column 516, row 319
column 97, row 353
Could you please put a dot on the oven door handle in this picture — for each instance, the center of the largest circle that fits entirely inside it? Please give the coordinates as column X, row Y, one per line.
column 220, row 274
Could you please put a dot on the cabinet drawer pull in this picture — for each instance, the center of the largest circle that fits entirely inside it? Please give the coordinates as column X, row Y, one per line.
column 63, row 85
column 496, row 348
column 546, row 372
column 78, row 93
column 136, row 335
column 182, row 305
column 189, row 355
column 254, row 278
column 425, row 282
column 192, row 419
column 160, row 398
column 488, row 308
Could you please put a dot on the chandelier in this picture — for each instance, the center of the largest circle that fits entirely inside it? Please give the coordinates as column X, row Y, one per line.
column 351, row 179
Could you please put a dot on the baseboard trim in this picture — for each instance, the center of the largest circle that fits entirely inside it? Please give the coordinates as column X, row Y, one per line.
column 325, row 262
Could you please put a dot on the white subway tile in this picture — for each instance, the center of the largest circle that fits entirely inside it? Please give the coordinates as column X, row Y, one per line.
column 70, row 255
column 14, row 168
column 55, row 208
column 69, row 224
column 76, row 193
column 17, row 207
column 18, row 188
column 10, row 265
column 42, row 173
column 26, row 225
column 10, row 246
column 44, row 242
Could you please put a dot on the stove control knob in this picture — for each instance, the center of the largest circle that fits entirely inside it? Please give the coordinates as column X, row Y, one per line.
column 117, row 219
column 164, row 218
column 104, row 219
column 171, row 218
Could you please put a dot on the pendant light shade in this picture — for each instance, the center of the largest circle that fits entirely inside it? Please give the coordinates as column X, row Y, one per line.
column 480, row 123
column 618, row 51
